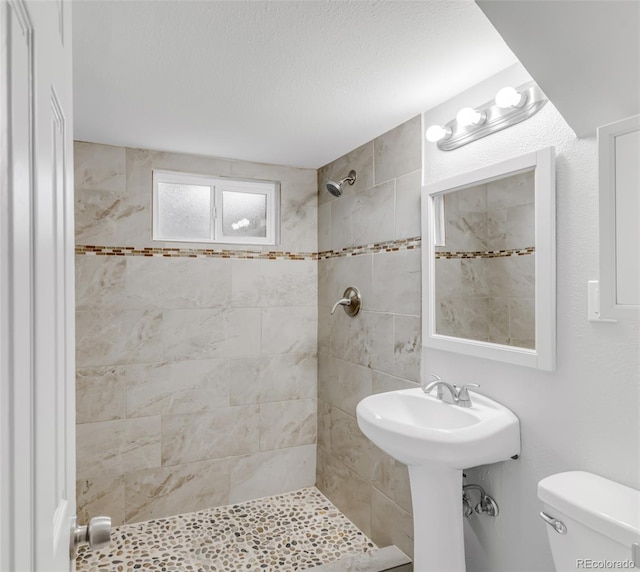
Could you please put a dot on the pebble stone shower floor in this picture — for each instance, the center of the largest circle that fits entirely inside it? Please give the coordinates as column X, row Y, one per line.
column 284, row 533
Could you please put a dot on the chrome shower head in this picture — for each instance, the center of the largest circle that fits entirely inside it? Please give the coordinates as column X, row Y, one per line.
column 336, row 188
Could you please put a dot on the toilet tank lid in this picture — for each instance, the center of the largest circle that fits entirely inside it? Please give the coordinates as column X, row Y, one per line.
column 607, row 507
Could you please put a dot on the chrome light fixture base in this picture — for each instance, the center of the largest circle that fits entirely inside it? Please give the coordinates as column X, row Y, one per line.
column 496, row 118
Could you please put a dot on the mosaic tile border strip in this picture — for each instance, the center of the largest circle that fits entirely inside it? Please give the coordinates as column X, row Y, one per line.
column 373, row 248
column 389, row 246
column 92, row 250
column 284, row 533
column 486, row 254
column 160, row 252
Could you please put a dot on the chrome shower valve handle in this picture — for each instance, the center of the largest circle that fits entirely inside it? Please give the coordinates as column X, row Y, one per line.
column 351, row 302
column 342, row 302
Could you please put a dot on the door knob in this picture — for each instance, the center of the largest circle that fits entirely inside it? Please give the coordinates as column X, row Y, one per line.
column 97, row 534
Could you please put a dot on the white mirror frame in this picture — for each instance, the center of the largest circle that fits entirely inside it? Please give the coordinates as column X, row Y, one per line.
column 544, row 355
column 607, row 171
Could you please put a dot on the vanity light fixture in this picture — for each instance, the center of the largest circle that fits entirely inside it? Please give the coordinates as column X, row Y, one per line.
column 510, row 106
column 510, row 97
column 437, row 133
column 468, row 116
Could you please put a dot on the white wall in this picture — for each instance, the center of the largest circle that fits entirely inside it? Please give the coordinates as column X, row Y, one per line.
column 585, row 415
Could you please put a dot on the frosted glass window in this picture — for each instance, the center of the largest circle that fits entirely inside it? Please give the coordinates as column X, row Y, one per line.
column 196, row 208
column 244, row 214
column 184, row 212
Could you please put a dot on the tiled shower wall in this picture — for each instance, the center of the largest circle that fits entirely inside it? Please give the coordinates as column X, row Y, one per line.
column 378, row 350
column 196, row 377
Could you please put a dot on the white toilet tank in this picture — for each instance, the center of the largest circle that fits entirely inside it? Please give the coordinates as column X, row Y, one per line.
column 602, row 521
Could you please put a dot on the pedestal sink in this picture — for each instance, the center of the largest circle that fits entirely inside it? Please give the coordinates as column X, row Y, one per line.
column 437, row 440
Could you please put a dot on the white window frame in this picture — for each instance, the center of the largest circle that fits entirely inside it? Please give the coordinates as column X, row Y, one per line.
column 217, row 185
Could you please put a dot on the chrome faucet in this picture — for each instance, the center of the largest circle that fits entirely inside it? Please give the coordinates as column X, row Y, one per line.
column 453, row 392
column 457, row 396
column 424, row 385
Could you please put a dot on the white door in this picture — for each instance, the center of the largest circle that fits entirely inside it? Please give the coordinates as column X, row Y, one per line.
column 37, row 346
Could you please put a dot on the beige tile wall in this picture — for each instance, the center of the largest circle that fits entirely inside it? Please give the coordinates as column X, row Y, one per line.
column 379, row 350
column 196, row 379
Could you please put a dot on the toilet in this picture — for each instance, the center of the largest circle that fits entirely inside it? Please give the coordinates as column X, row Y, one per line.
column 592, row 522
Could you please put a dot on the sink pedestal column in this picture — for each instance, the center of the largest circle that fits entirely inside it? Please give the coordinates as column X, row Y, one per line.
column 436, row 493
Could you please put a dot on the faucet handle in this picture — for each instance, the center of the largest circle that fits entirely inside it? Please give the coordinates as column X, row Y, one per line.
column 351, row 301
column 463, row 394
column 464, row 390
column 342, row 302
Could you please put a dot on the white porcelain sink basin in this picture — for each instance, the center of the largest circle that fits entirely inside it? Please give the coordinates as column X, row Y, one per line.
column 416, row 429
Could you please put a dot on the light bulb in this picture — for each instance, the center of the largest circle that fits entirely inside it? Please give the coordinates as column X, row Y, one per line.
column 509, row 97
column 437, row 133
column 469, row 116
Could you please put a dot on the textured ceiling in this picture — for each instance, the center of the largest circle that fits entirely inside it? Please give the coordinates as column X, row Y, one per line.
column 288, row 82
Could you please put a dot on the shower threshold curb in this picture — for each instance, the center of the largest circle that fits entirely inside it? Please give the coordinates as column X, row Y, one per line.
column 389, row 558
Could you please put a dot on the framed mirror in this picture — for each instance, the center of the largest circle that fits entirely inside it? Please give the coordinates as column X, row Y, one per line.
column 488, row 259
column 619, row 188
